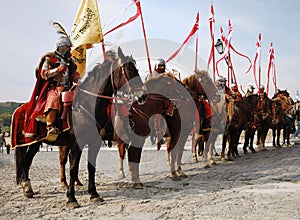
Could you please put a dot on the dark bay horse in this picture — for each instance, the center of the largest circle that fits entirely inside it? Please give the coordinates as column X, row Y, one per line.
column 211, row 109
column 84, row 129
column 286, row 114
column 168, row 98
column 240, row 116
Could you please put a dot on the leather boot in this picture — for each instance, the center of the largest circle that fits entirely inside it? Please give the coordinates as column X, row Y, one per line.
column 52, row 132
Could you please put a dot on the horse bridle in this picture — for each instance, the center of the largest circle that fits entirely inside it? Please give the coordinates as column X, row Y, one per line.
column 115, row 85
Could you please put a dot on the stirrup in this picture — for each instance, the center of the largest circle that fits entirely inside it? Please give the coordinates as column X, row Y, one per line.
column 52, row 134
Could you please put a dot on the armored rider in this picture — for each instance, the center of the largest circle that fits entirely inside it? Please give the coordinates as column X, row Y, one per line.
column 59, row 70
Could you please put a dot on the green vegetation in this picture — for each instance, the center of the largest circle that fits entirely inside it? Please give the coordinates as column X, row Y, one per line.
column 6, row 111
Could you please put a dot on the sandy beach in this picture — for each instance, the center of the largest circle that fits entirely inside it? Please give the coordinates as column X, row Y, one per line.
column 265, row 185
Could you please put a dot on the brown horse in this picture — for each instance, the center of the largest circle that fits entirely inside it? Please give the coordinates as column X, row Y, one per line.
column 239, row 117
column 83, row 130
column 211, row 108
column 286, row 114
column 167, row 97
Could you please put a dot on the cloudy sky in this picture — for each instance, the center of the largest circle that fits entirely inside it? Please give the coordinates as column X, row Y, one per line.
column 26, row 35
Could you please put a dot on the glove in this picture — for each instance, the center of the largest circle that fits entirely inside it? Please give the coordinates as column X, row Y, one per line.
column 61, row 69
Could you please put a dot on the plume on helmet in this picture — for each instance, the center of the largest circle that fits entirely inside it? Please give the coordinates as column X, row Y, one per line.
column 59, row 29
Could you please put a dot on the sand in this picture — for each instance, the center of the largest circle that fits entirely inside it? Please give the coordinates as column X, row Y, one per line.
column 265, row 185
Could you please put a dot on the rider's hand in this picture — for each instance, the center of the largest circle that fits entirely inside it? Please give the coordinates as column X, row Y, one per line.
column 61, row 69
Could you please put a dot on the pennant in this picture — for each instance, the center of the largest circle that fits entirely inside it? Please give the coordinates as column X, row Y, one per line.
column 131, row 19
column 86, row 31
column 271, row 65
column 211, row 20
column 226, row 41
column 191, row 34
column 257, row 57
column 242, row 55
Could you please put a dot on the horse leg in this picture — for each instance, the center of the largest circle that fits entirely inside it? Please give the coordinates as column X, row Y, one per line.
column 122, row 151
column 258, row 138
column 179, row 153
column 200, row 147
column 246, row 141
column 288, row 132
column 134, row 157
column 75, row 155
column 93, row 151
column 278, row 137
column 252, row 134
column 273, row 137
column 209, row 147
column 24, row 158
column 194, row 146
column 224, row 140
column 63, row 157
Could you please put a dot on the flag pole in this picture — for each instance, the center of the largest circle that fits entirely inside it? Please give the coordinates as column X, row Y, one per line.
column 259, row 70
column 214, row 60
column 103, row 49
column 196, row 58
column 145, row 39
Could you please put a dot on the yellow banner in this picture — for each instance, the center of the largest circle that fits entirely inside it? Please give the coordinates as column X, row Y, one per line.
column 86, row 31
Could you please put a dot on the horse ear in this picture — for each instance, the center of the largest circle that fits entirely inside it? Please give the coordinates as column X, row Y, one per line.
column 121, row 54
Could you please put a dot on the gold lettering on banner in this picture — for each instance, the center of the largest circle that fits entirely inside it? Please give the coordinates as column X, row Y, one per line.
column 80, row 60
column 84, row 23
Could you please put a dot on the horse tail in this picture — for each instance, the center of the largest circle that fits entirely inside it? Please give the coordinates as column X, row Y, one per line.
column 17, row 125
column 18, row 155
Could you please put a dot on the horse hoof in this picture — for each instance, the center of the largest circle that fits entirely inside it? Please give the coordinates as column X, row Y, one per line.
column 27, row 190
column 175, row 177
column 78, row 183
column 212, row 162
column 137, row 185
column 96, row 199
column 223, row 159
column 121, row 176
column 206, row 166
column 181, row 174
column 72, row 205
column 230, row 158
column 195, row 160
column 64, row 185
column 29, row 194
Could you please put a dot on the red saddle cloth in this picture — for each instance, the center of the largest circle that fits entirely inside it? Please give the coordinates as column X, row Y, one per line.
column 208, row 110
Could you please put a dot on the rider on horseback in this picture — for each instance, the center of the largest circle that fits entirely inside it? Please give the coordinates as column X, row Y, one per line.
column 60, row 71
column 250, row 90
column 55, row 74
column 236, row 95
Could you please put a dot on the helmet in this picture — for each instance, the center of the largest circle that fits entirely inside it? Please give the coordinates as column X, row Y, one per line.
column 63, row 41
column 221, row 78
column 261, row 87
column 233, row 85
column 250, row 86
column 111, row 53
column 160, row 62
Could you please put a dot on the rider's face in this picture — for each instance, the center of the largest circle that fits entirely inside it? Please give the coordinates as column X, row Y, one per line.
column 64, row 50
column 160, row 69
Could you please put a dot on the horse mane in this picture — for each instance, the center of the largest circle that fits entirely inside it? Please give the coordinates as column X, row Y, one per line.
column 206, row 82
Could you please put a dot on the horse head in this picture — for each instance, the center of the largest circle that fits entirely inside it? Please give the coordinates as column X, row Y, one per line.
column 276, row 111
column 125, row 78
column 206, row 83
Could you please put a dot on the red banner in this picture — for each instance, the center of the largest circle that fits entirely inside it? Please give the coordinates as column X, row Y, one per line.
column 192, row 33
column 257, row 56
column 131, row 19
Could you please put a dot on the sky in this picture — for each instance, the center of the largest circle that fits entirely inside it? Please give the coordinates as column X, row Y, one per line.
column 26, row 35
